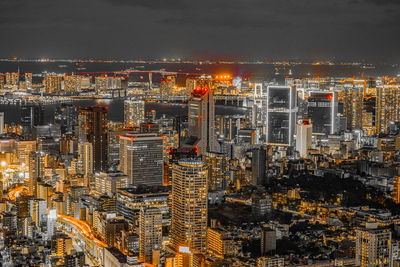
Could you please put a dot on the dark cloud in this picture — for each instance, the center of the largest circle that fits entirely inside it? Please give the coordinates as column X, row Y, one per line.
column 182, row 28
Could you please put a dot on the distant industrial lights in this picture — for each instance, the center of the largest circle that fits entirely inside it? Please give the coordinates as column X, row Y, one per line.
column 223, row 77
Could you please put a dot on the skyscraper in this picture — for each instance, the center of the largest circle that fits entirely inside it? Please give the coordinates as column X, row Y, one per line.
column 36, row 171
column 373, row 246
column 322, row 110
column 303, row 136
column 189, row 204
column 133, row 112
column 281, row 115
column 387, row 107
column 93, row 128
column 1, row 122
column 202, row 117
column 85, row 159
column 150, row 233
column 141, row 158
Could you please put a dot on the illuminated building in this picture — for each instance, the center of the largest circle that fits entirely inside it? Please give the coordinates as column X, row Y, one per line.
column 28, row 80
column 303, row 137
column 373, row 246
column 110, row 227
column 61, row 245
column 387, row 107
column 189, row 204
column 85, row 159
column 1, row 82
column 396, row 190
column 133, row 112
column 51, row 223
column 271, row 262
column 93, row 128
column 108, row 183
column 322, row 110
column 105, row 83
column 37, row 211
column 52, row 83
column 268, row 240
column 218, row 170
column 353, row 105
column 1, row 122
column 12, row 79
column 36, row 171
column 131, row 200
column 281, row 115
column 24, row 148
column 150, row 233
column 167, row 86
column 201, row 118
column 32, row 114
column 141, row 158
column 220, row 244
column 72, row 83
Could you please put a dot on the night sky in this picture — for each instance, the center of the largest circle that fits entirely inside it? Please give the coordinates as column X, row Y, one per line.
column 235, row 29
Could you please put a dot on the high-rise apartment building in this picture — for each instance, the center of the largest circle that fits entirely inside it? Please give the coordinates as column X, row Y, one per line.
column 303, row 137
column 281, row 115
column 268, row 240
column 141, row 158
column 373, row 246
column 37, row 211
column 93, row 128
column 201, row 118
column 1, row 122
column 189, row 204
column 387, row 107
column 52, row 83
column 322, row 110
column 150, row 233
column 85, row 158
column 133, row 112
column 36, row 171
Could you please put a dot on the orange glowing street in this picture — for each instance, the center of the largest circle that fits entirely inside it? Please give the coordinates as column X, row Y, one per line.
column 83, row 228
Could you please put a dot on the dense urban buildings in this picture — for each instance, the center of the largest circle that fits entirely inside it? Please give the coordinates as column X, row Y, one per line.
column 160, row 168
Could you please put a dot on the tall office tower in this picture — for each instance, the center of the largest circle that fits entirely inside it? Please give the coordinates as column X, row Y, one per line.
column 189, row 204
column 388, row 106
column 281, row 115
column 85, row 159
column 396, row 190
column 303, row 137
column 37, row 211
column 36, row 171
column 268, row 240
column 373, row 246
column 1, row 122
column 67, row 117
column 107, row 183
column 52, row 83
column 72, row 83
column 24, row 148
column 322, row 110
column 133, row 112
column 141, row 158
column 259, row 166
column 93, row 128
column 12, row 79
column 32, row 114
column 150, row 233
column 202, row 118
column 352, row 106
column 28, row 80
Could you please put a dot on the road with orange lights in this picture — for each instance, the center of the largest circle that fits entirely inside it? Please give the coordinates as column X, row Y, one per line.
column 16, row 192
column 83, row 228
